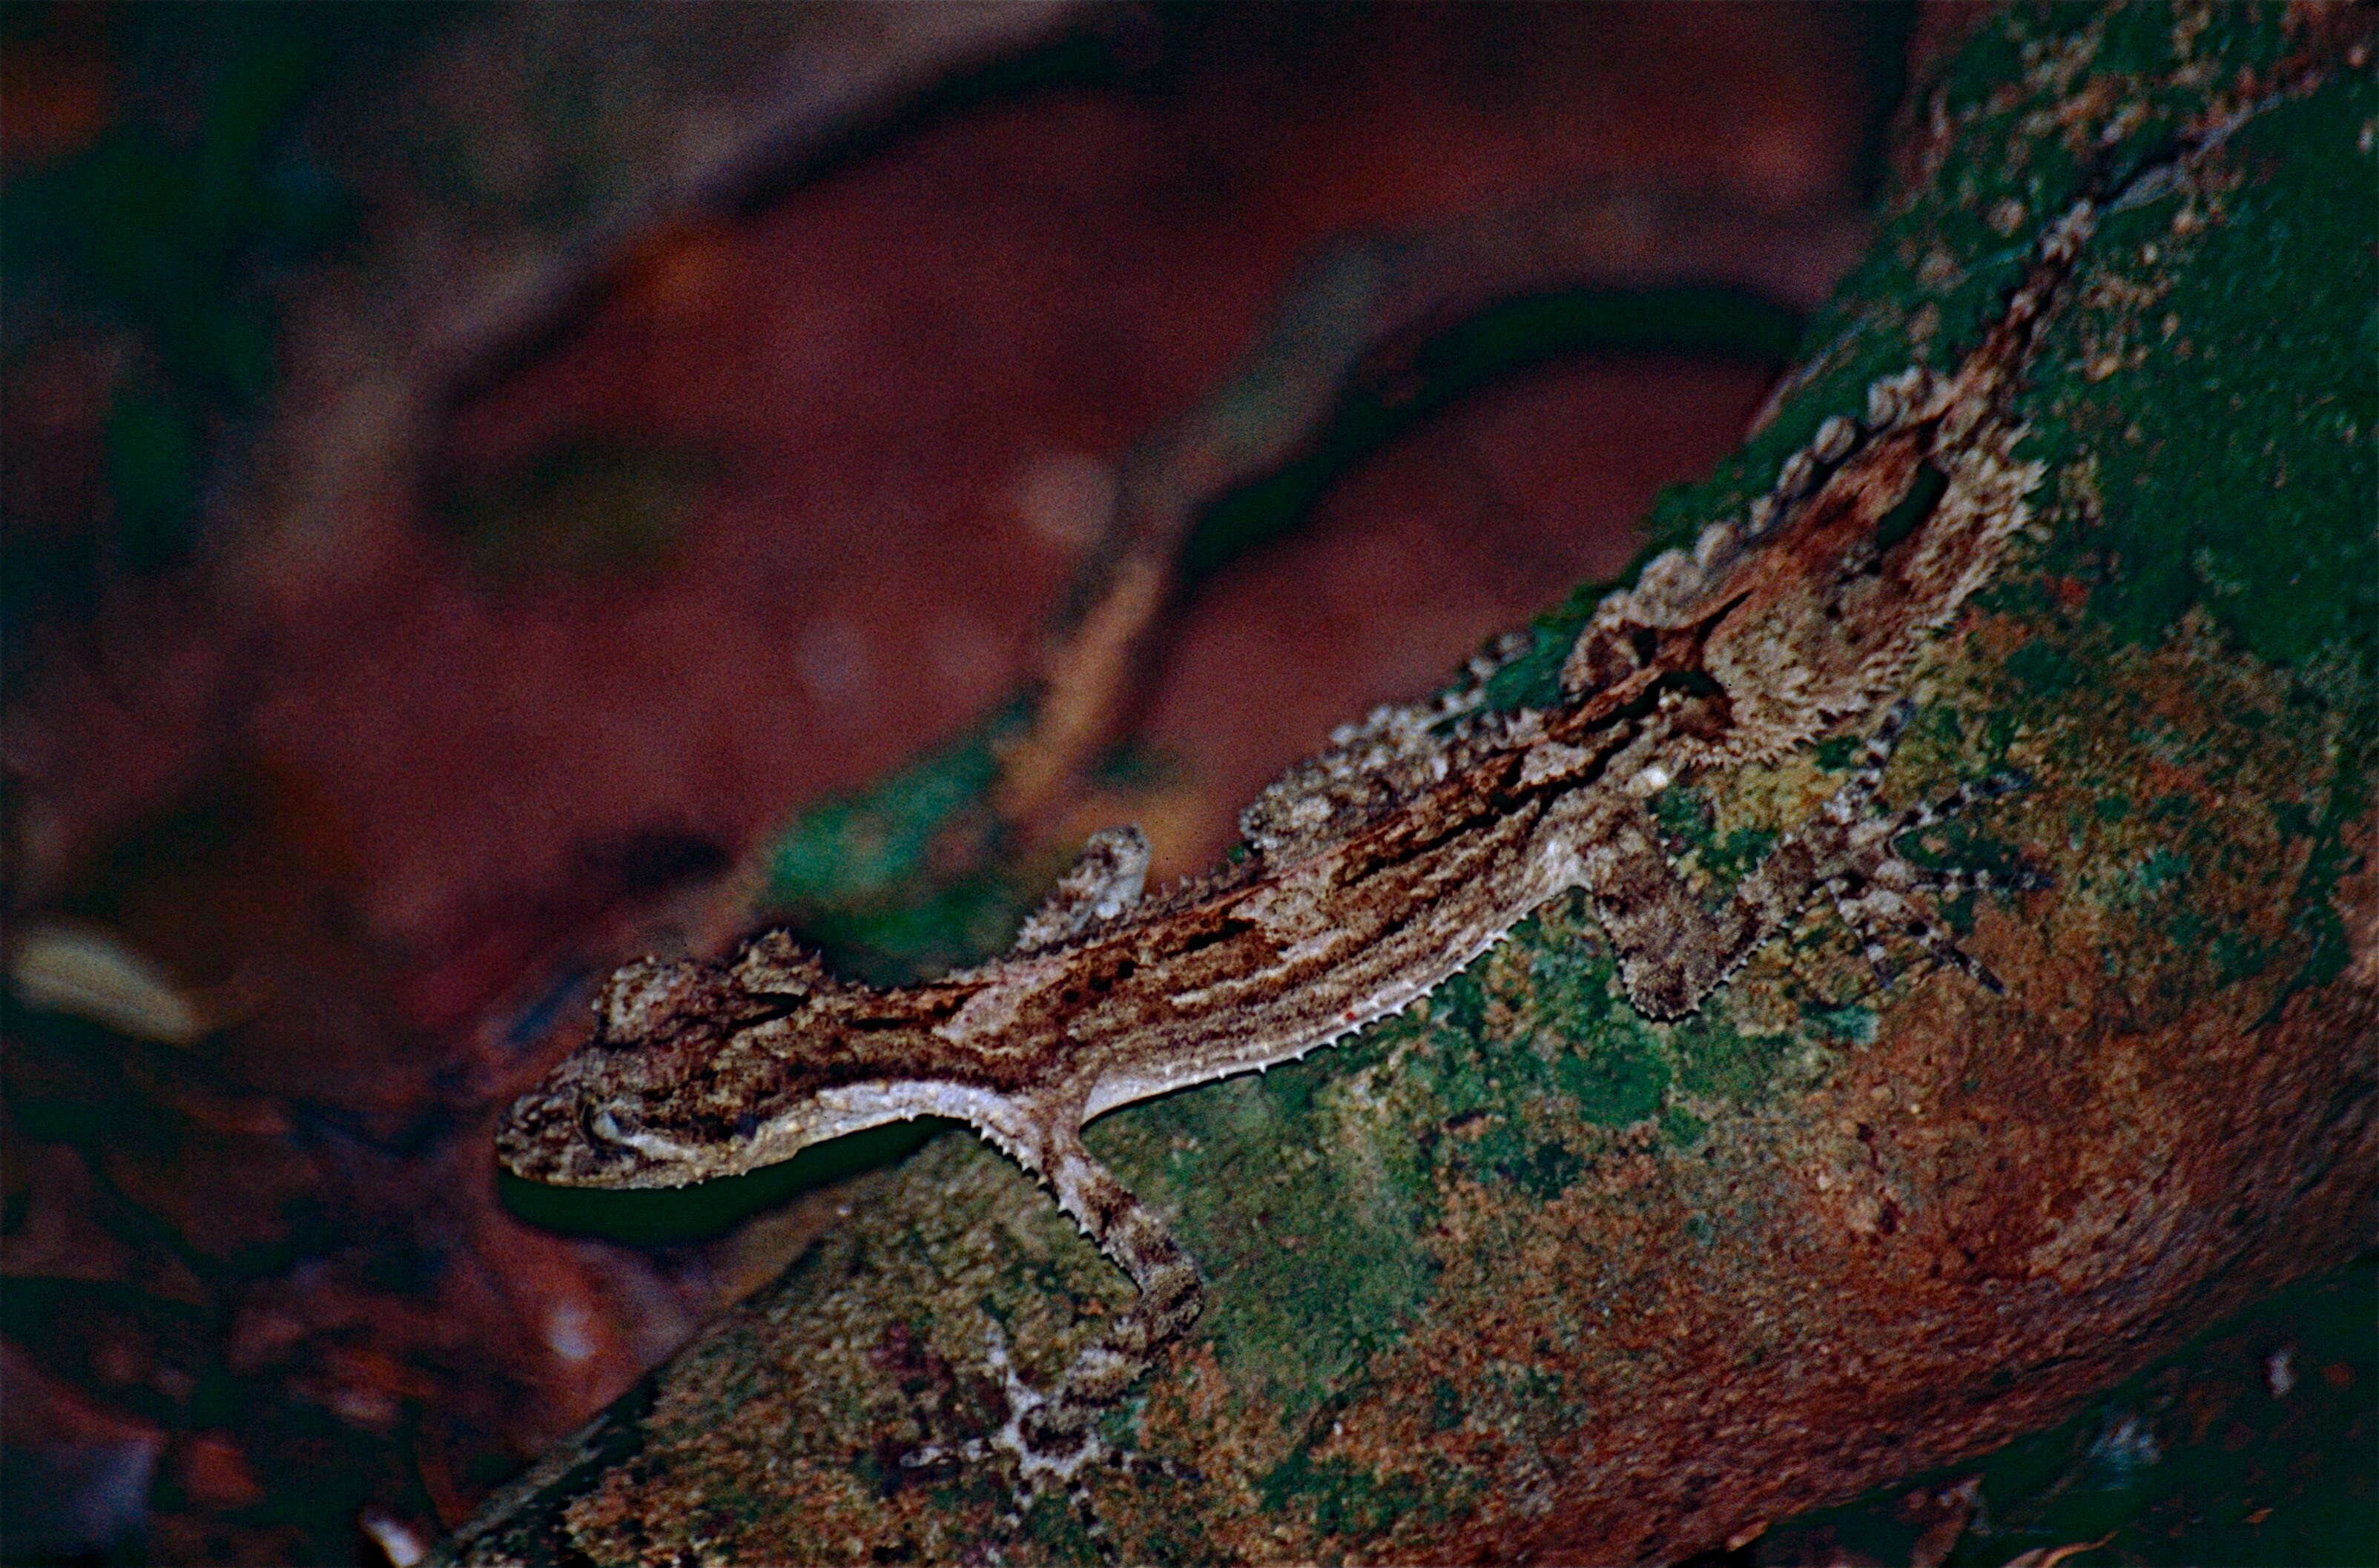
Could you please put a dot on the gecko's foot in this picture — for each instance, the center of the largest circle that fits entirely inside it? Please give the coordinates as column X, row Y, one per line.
column 1871, row 890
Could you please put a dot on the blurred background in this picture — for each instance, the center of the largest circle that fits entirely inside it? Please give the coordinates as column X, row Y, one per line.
column 491, row 492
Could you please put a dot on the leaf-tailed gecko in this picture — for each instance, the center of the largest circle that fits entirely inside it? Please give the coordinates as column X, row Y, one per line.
column 1375, row 870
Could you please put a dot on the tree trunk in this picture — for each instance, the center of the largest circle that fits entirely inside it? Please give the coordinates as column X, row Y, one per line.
column 1522, row 1275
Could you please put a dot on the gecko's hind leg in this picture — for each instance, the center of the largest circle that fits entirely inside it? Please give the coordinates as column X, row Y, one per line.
column 1674, row 952
column 1871, row 892
column 1853, row 803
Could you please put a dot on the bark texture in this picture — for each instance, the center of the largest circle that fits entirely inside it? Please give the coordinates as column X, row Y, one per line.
column 1519, row 1274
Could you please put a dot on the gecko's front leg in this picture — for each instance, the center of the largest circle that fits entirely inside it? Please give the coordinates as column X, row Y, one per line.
column 1674, row 951
column 1050, row 1436
column 1171, row 1295
column 1102, row 884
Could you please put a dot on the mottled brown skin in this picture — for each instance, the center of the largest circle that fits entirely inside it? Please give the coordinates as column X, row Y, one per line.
column 1376, row 871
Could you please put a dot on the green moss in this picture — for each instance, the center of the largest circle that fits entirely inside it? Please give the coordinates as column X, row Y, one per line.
column 2044, row 671
column 1689, row 820
column 2160, row 871
column 1715, row 1059
column 1610, row 1066
column 1837, row 752
column 2243, row 486
column 1545, row 1171
column 2314, row 917
column 1533, row 680
column 870, row 843
column 1685, row 816
column 1340, row 1499
column 1680, row 1130
column 1851, row 1023
column 858, row 874
column 1617, row 1077
column 1306, row 1227
column 2239, row 956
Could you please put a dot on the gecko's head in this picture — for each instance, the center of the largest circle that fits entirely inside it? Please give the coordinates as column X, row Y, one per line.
column 693, row 1070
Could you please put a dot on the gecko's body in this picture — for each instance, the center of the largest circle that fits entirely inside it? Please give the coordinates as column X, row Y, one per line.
column 1374, row 871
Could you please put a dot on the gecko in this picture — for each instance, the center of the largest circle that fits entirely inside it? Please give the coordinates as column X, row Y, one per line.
column 1375, row 870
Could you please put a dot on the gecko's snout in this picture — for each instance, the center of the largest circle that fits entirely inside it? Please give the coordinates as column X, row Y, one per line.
column 580, row 1127
column 544, row 1137
column 600, row 1120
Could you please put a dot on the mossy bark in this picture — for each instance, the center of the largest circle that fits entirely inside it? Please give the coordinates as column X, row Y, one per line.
column 1519, row 1273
